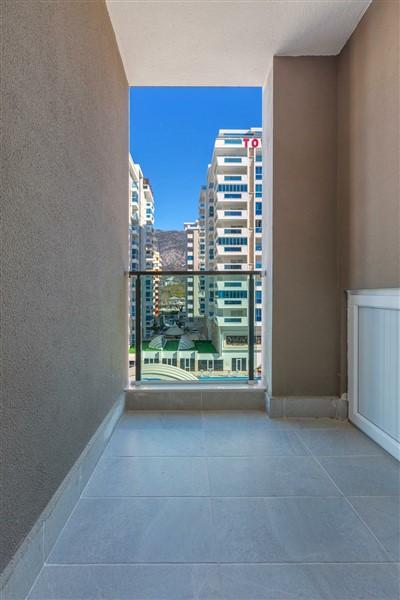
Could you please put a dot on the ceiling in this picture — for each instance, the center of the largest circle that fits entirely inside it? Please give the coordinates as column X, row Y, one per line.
column 224, row 42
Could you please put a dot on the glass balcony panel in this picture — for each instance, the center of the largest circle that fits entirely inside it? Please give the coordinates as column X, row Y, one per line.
column 194, row 328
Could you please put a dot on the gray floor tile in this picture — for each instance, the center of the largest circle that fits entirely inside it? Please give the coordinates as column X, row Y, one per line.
column 364, row 475
column 339, row 442
column 310, row 582
column 225, row 420
column 127, row 582
column 291, row 530
column 257, row 442
column 382, row 515
column 266, row 476
column 231, row 399
column 129, row 530
column 156, row 442
column 171, row 419
column 145, row 476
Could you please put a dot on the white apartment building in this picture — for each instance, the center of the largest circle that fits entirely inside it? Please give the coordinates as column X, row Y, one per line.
column 232, row 232
column 157, row 266
column 142, row 250
column 192, row 231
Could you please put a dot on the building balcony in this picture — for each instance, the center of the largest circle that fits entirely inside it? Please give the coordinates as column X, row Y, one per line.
column 229, row 251
column 231, row 322
column 235, row 216
column 227, row 303
column 231, row 198
column 232, row 164
column 234, row 266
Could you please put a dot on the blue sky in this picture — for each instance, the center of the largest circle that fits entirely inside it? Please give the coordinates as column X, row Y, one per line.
column 172, row 131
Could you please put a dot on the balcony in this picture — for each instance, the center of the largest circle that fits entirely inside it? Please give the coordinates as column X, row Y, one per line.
column 223, row 251
column 234, row 216
column 233, row 198
column 232, row 164
column 185, row 490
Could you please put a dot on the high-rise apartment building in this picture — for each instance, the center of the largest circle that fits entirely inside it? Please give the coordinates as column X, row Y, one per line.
column 230, row 213
column 157, row 266
column 142, row 247
column 192, row 231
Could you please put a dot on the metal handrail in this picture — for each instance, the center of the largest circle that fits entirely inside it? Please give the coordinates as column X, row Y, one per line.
column 228, row 273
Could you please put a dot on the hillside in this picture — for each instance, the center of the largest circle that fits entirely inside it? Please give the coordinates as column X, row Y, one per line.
column 172, row 247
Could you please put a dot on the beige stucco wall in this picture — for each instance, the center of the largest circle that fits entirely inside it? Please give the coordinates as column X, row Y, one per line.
column 304, row 250
column 368, row 156
column 64, row 246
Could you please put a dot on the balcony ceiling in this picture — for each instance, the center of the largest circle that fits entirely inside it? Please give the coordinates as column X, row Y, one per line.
column 225, row 42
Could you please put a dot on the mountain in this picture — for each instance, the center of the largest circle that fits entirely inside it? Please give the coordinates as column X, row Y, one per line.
column 172, row 247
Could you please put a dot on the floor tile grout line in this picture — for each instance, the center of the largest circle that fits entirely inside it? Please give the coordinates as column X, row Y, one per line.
column 228, row 456
column 279, row 497
column 239, row 456
column 355, row 512
column 278, row 563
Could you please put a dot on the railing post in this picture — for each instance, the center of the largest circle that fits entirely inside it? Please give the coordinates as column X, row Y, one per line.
column 251, row 327
column 138, row 329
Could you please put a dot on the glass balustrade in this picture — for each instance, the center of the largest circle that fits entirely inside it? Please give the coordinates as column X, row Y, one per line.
column 193, row 327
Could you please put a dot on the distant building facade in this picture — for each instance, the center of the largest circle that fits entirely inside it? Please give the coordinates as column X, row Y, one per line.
column 143, row 255
column 229, row 233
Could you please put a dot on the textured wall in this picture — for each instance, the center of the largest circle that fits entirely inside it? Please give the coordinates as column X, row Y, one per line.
column 368, row 156
column 304, row 321
column 64, row 245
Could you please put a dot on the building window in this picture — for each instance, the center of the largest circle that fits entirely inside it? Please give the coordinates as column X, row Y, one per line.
column 231, row 196
column 258, row 208
column 258, row 315
column 232, row 241
column 232, row 178
column 232, row 213
column 236, row 340
column 232, row 187
column 231, row 294
column 258, row 296
column 231, row 142
column 232, row 159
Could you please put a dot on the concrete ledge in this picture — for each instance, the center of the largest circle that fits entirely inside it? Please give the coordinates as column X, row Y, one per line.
column 200, row 398
column 307, row 406
column 20, row 574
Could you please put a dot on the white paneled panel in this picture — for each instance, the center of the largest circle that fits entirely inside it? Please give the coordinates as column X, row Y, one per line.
column 374, row 365
column 378, row 372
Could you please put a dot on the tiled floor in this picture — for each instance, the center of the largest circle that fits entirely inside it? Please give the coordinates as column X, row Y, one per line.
column 230, row 505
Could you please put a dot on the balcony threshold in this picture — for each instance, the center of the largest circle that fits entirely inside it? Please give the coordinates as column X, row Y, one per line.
column 210, row 386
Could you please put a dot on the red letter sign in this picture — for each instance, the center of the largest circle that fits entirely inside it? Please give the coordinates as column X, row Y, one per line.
column 246, row 142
